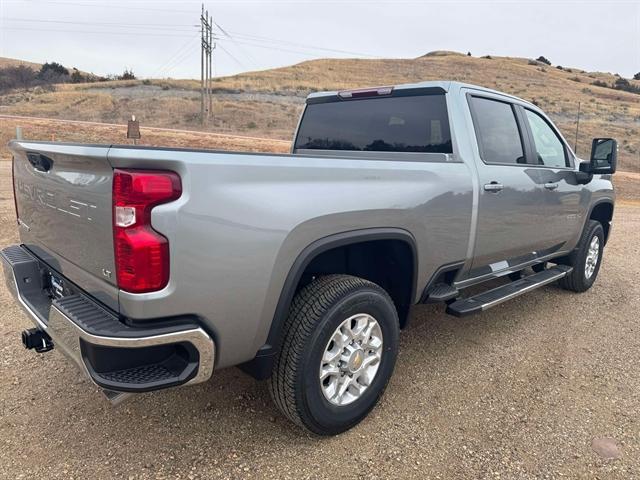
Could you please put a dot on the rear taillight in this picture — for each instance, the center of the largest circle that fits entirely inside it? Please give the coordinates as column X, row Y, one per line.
column 141, row 253
column 13, row 182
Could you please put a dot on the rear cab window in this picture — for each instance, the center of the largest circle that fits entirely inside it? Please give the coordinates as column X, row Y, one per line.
column 408, row 123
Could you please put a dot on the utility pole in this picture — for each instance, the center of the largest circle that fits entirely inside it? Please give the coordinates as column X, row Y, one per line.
column 206, row 48
column 212, row 46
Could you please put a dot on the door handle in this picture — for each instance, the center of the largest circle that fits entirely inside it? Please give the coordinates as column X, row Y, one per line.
column 550, row 186
column 494, row 187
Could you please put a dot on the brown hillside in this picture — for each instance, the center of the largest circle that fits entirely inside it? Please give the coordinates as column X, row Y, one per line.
column 267, row 103
column 14, row 62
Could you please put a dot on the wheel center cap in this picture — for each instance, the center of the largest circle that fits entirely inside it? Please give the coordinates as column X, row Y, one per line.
column 355, row 360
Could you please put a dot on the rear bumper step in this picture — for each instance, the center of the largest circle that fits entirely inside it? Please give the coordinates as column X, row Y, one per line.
column 496, row 296
column 115, row 356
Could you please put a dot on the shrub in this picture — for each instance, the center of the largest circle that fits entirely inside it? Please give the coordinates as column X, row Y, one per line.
column 77, row 77
column 53, row 67
column 16, row 77
column 53, row 72
column 625, row 85
column 488, row 57
column 636, row 76
column 127, row 75
column 469, row 54
column 543, row 60
column 620, row 84
column 559, row 67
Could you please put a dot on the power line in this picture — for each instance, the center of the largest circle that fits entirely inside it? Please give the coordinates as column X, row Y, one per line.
column 307, row 52
column 251, row 37
column 163, row 26
column 178, row 57
column 244, row 52
column 110, row 5
column 240, row 64
column 149, row 34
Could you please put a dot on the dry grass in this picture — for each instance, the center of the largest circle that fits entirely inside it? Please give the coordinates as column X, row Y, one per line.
column 14, row 62
column 267, row 103
column 55, row 130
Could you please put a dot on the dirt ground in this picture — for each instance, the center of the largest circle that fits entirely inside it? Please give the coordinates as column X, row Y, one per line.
column 520, row 391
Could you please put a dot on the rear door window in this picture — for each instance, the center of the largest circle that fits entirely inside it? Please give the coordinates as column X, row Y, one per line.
column 499, row 138
column 390, row 124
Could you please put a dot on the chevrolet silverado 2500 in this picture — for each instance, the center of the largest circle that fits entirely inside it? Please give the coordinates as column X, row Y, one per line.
column 152, row 267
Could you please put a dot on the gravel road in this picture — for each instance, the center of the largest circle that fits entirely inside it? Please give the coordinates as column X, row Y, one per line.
column 525, row 390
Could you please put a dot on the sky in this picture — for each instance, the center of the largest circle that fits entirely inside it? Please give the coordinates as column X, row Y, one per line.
column 157, row 38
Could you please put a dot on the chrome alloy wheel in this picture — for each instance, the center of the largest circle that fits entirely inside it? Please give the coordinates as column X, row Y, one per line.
column 592, row 257
column 351, row 359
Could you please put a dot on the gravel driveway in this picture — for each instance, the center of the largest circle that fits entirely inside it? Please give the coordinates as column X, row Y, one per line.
column 520, row 391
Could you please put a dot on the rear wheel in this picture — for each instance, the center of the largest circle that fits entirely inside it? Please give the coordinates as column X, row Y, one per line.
column 585, row 259
column 339, row 351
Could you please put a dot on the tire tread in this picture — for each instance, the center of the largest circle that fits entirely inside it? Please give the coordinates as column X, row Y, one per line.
column 575, row 280
column 307, row 310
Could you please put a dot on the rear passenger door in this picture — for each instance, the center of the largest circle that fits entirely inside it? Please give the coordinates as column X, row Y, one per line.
column 511, row 221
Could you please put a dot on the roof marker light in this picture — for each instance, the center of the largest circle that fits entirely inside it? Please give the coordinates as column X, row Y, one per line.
column 365, row 92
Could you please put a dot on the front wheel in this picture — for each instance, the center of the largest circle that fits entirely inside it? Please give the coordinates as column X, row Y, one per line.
column 585, row 259
column 339, row 351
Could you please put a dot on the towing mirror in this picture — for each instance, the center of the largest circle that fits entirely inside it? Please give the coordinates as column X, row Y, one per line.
column 604, row 156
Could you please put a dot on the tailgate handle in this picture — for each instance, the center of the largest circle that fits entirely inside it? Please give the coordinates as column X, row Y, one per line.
column 40, row 162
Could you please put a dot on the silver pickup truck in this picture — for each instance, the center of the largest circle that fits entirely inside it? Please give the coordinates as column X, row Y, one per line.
column 152, row 267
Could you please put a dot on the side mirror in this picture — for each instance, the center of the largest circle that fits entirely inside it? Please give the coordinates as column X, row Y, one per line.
column 604, row 157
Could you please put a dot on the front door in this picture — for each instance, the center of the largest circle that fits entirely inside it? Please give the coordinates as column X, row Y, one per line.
column 556, row 177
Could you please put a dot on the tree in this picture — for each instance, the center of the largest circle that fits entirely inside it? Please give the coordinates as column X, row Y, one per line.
column 621, row 83
column 16, row 77
column 52, row 68
column 636, row 76
column 469, row 54
column 127, row 75
column 543, row 60
column 53, row 72
column 76, row 76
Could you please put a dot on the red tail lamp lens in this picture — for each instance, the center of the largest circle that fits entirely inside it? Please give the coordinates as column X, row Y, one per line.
column 141, row 253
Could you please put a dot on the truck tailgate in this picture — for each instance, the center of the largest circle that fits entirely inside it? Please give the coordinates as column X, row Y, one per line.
column 63, row 198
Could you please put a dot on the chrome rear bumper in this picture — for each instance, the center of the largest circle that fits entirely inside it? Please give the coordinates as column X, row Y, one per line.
column 117, row 357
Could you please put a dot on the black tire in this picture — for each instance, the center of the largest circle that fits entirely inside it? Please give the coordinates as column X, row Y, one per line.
column 577, row 281
column 315, row 314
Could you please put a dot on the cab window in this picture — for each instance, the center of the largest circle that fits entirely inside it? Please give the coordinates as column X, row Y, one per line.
column 499, row 138
column 549, row 149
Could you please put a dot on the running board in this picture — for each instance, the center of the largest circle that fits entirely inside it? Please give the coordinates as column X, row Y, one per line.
column 491, row 298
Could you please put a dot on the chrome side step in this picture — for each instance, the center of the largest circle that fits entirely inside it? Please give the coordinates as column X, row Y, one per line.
column 491, row 298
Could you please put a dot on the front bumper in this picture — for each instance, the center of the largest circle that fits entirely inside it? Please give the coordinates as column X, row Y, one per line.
column 115, row 356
